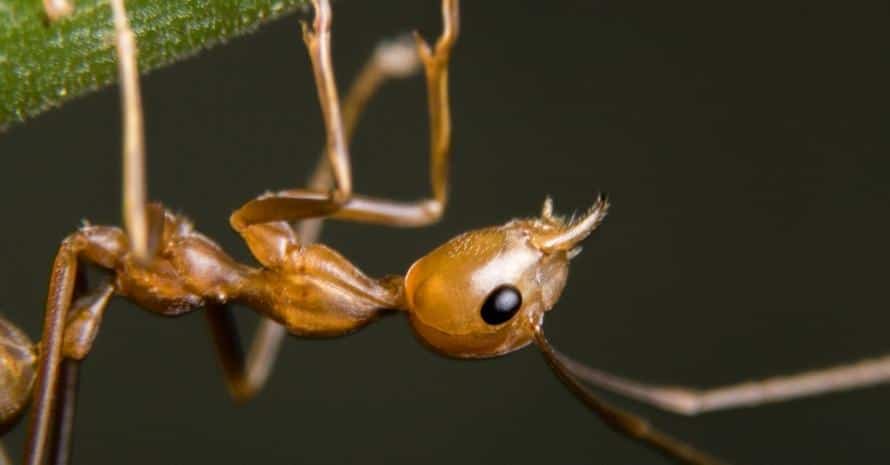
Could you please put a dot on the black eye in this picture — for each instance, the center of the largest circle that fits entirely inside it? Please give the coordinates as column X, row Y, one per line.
column 501, row 305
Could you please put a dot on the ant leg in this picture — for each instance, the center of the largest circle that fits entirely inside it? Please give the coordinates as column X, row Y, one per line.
column 83, row 322
column 268, row 241
column 299, row 204
column 688, row 401
column 318, row 42
column 80, row 331
column 63, row 429
column 308, row 204
column 242, row 383
column 426, row 211
column 134, row 184
column 68, row 331
column 61, row 289
column 391, row 59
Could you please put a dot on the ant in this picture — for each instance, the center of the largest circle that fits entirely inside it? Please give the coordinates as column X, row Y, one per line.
column 481, row 294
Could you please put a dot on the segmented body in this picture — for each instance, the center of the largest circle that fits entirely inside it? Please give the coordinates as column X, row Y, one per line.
column 312, row 291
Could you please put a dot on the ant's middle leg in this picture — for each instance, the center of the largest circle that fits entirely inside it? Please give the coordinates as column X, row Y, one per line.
column 391, row 59
column 269, row 241
column 298, row 204
column 302, row 204
column 134, row 183
column 53, row 386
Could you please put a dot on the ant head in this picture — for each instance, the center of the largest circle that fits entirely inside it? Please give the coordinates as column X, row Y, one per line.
column 484, row 293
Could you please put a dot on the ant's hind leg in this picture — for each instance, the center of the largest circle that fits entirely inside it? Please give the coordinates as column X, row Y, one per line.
column 61, row 291
column 67, row 335
column 63, row 424
column 80, row 332
column 243, row 379
column 62, row 283
column 299, row 204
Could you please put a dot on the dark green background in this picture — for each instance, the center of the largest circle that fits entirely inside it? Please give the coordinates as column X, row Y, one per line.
column 744, row 147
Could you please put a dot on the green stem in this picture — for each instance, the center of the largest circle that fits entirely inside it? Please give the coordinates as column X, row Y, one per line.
column 43, row 65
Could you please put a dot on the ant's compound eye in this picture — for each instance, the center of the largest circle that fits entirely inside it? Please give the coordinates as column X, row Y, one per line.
column 501, row 305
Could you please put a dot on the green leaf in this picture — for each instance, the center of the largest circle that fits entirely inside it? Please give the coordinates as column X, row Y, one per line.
column 43, row 65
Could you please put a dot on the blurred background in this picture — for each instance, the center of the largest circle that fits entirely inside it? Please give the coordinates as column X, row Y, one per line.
column 744, row 147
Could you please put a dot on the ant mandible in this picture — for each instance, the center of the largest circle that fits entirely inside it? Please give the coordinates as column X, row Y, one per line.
column 482, row 294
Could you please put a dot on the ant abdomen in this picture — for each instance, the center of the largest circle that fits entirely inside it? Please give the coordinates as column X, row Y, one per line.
column 18, row 359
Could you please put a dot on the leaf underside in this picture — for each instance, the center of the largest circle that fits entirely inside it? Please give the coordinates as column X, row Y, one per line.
column 42, row 65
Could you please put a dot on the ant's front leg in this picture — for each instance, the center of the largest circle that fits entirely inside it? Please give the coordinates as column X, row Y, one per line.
column 292, row 205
